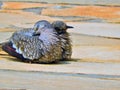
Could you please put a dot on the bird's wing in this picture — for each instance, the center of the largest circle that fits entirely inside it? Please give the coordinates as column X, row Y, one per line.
column 28, row 46
column 25, row 31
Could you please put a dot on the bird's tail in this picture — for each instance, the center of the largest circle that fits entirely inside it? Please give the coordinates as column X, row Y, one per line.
column 1, row 45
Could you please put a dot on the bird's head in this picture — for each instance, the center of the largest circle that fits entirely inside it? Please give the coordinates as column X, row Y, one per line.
column 60, row 26
column 41, row 26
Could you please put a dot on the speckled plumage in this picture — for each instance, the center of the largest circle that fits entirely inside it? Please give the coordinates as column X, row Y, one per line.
column 45, row 48
column 66, row 45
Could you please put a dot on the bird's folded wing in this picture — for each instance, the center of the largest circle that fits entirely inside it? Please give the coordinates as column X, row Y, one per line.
column 28, row 46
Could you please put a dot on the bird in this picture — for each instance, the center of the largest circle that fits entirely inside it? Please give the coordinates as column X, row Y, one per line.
column 41, row 46
column 66, row 46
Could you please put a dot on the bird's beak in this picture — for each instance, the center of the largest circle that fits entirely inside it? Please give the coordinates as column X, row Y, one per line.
column 70, row 27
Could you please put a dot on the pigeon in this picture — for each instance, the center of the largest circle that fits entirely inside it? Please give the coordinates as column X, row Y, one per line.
column 66, row 46
column 41, row 46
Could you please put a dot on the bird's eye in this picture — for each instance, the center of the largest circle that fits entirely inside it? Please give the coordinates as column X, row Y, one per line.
column 36, row 28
